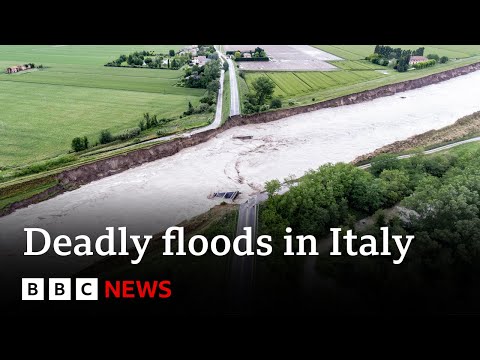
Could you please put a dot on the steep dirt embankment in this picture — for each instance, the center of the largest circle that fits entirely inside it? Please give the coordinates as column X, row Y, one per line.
column 465, row 127
column 86, row 173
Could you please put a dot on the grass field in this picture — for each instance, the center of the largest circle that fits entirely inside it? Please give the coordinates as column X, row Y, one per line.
column 356, row 52
column 42, row 110
column 226, row 97
column 294, row 83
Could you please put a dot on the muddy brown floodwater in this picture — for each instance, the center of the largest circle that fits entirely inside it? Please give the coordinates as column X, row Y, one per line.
column 149, row 198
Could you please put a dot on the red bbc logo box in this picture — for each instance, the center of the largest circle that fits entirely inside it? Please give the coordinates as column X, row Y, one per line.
column 59, row 289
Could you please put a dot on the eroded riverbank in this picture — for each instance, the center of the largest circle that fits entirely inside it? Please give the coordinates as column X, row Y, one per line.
column 162, row 193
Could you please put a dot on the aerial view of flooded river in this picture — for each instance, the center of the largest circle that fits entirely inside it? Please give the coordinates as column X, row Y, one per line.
column 149, row 198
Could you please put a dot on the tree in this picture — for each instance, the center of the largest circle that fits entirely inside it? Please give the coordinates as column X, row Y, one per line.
column 213, row 86
column 419, row 51
column 272, row 186
column 85, row 142
column 105, row 136
column 263, row 87
column 148, row 61
column 396, row 186
column 384, row 162
column 403, row 63
column 238, row 54
column 211, row 71
column 443, row 59
column 433, row 57
column 276, row 103
column 190, row 110
column 79, row 144
column 171, row 53
column 225, row 66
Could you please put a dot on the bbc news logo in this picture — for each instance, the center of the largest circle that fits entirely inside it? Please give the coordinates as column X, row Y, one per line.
column 87, row 289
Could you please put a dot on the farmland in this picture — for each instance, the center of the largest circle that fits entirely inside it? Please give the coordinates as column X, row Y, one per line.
column 356, row 52
column 354, row 74
column 294, row 83
column 75, row 95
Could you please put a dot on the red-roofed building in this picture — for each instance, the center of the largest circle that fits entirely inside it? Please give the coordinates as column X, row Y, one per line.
column 417, row 59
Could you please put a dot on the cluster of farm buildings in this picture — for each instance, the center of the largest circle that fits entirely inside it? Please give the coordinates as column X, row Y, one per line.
column 196, row 60
column 18, row 68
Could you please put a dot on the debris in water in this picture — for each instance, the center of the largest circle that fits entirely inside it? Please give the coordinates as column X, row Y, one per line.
column 225, row 195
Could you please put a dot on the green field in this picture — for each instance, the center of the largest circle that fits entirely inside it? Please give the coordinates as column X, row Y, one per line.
column 356, row 52
column 355, row 74
column 295, row 83
column 42, row 110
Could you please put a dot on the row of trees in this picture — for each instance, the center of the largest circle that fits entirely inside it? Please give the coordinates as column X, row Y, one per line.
column 389, row 53
column 152, row 60
column 437, row 58
column 148, row 121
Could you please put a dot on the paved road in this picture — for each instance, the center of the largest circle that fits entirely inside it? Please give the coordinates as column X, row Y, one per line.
column 234, row 98
column 431, row 151
column 218, row 113
column 242, row 271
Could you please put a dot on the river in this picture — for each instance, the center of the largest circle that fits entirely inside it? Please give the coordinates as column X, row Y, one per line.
column 149, row 198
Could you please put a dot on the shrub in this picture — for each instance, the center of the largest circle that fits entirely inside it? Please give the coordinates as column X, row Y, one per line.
column 105, row 137
column 276, row 103
column 79, row 144
column 190, row 110
column 443, row 59
column 148, row 122
column 424, row 64
column 202, row 108
column 433, row 57
column 162, row 132
column 47, row 165
column 208, row 99
column 128, row 134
